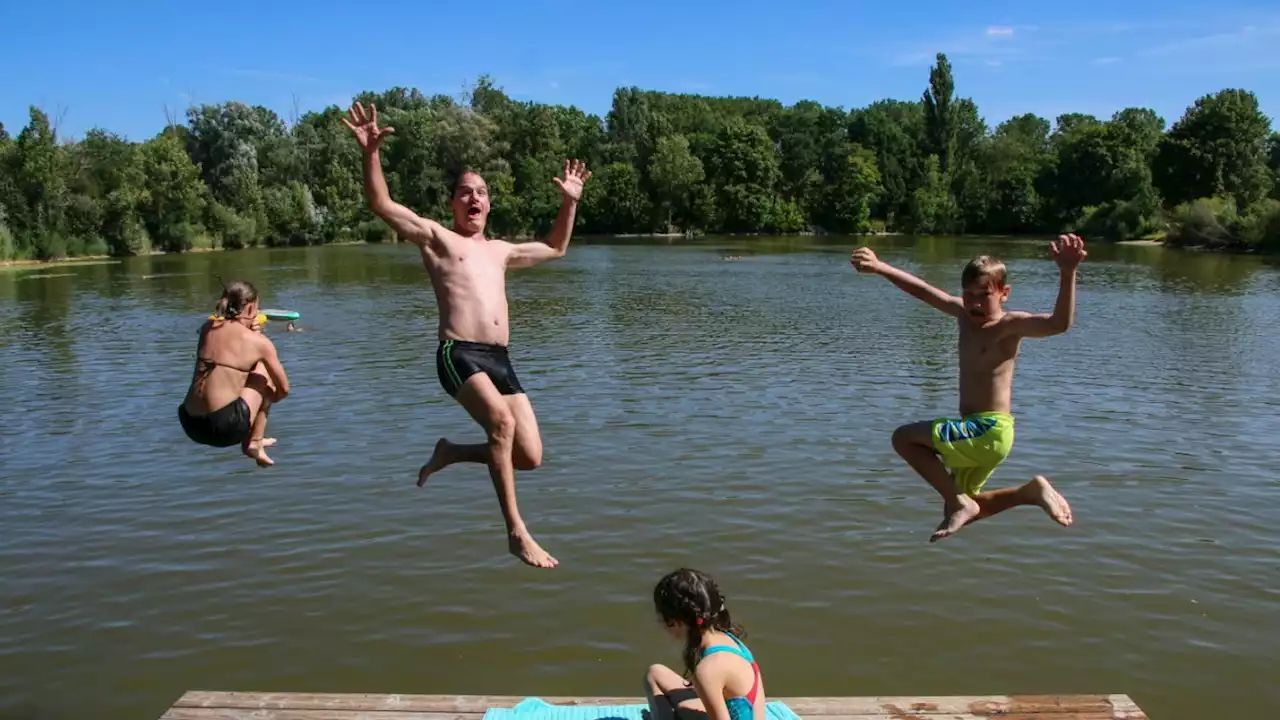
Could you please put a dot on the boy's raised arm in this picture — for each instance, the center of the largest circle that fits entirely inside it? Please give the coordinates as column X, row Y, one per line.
column 1068, row 251
column 865, row 260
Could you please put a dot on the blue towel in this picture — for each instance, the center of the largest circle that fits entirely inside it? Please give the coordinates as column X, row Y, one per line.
column 539, row 709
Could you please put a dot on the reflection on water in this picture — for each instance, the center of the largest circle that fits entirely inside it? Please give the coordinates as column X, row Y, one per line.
column 731, row 415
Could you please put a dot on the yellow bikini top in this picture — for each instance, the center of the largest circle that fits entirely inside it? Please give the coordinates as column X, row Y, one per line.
column 259, row 321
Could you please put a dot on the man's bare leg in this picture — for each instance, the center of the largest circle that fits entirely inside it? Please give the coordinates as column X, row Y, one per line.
column 914, row 443
column 258, row 394
column 526, row 454
column 447, row 453
column 486, row 406
column 1037, row 492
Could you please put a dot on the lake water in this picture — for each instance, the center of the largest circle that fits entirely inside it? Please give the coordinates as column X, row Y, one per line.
column 732, row 415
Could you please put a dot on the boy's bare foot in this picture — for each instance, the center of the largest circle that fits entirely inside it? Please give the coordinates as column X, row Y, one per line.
column 441, row 457
column 255, row 451
column 1050, row 499
column 523, row 546
column 958, row 512
column 268, row 442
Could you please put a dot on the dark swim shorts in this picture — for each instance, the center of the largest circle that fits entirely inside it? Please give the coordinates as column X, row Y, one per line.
column 457, row 360
column 228, row 425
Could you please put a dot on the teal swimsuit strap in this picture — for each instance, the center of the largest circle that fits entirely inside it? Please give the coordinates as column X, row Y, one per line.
column 741, row 650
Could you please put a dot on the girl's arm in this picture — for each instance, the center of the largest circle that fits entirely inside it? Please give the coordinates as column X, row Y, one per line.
column 271, row 359
column 708, row 681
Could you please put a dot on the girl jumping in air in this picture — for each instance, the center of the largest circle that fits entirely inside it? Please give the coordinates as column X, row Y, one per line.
column 237, row 377
column 723, row 678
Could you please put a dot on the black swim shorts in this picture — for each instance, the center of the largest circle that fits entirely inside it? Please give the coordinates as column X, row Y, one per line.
column 457, row 360
column 228, row 425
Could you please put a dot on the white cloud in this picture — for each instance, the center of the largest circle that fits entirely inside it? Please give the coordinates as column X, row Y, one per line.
column 1105, row 60
column 996, row 43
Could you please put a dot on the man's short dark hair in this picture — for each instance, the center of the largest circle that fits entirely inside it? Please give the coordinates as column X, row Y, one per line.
column 455, row 179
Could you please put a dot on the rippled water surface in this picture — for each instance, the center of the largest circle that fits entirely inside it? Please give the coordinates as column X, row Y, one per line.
column 730, row 414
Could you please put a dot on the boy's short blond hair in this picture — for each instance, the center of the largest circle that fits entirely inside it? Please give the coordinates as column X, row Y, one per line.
column 985, row 269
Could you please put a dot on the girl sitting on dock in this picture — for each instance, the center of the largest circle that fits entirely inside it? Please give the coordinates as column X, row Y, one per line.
column 237, row 377
column 724, row 679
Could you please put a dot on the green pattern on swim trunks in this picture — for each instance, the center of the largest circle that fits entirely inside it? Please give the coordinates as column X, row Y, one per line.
column 448, row 364
column 973, row 446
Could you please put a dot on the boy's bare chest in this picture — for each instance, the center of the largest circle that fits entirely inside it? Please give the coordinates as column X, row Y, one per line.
column 986, row 347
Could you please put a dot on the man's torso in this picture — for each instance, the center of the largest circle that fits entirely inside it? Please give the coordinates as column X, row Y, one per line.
column 469, row 279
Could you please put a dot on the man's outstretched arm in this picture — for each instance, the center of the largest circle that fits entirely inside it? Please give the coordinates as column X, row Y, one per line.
column 556, row 243
column 404, row 221
column 865, row 260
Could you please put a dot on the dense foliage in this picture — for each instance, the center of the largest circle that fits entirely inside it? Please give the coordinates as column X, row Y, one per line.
column 236, row 176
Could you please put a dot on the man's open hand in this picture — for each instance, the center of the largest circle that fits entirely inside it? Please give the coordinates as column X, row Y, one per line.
column 365, row 127
column 576, row 175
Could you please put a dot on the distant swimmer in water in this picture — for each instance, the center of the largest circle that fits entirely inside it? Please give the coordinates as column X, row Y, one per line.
column 238, row 376
column 468, row 275
column 957, row 455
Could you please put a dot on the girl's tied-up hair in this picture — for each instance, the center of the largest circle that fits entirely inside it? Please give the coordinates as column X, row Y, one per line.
column 235, row 298
column 691, row 597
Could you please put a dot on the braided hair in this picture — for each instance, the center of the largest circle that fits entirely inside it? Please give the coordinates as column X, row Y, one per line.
column 693, row 598
column 235, row 297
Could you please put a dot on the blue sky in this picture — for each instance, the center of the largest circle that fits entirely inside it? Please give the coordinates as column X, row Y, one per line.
column 119, row 65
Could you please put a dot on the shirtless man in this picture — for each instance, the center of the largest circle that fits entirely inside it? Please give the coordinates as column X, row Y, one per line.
column 972, row 446
column 468, row 274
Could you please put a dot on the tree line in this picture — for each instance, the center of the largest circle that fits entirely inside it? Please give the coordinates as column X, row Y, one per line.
column 238, row 176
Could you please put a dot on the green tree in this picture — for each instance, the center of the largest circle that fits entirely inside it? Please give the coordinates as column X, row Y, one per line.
column 940, row 113
column 743, row 168
column 852, row 192
column 37, row 170
column 173, row 197
column 1218, row 148
column 675, row 173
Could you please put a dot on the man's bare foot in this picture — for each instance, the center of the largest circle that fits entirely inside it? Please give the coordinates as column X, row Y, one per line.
column 268, row 442
column 441, row 458
column 959, row 512
column 1050, row 499
column 255, row 451
column 523, row 546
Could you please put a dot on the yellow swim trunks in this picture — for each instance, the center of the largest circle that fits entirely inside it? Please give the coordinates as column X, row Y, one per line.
column 973, row 446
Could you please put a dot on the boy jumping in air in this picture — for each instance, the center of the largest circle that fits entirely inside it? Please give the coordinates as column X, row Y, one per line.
column 957, row 456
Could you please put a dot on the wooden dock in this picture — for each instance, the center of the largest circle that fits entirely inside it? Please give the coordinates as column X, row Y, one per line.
column 204, row 705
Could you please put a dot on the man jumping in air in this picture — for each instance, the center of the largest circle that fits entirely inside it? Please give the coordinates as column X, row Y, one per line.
column 468, row 274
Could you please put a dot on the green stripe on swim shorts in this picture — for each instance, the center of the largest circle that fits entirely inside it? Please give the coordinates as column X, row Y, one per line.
column 448, row 364
column 971, row 447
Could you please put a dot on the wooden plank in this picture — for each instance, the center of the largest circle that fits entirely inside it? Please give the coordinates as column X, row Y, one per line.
column 1113, row 707
column 332, row 714
column 292, row 714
